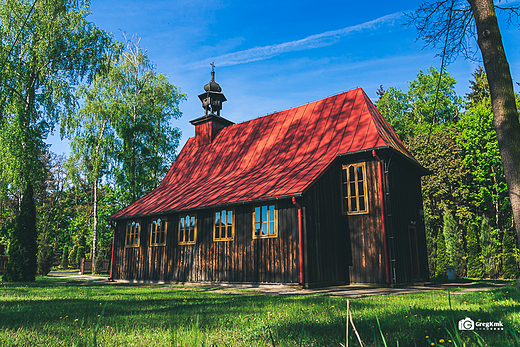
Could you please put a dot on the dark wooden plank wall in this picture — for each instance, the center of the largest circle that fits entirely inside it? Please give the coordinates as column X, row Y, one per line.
column 271, row 260
column 328, row 238
column 366, row 233
column 405, row 204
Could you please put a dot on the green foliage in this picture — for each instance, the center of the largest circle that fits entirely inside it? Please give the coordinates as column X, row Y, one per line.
column 430, row 246
column 127, row 124
column 509, row 260
column 441, row 258
column 44, row 258
column 65, row 258
column 489, row 244
column 454, row 244
column 475, row 267
column 73, row 256
column 57, row 49
column 488, row 193
column 412, row 112
column 80, row 254
column 21, row 266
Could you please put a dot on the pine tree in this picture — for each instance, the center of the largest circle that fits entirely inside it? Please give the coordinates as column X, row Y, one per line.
column 21, row 266
column 509, row 263
column 454, row 244
column 441, row 258
column 65, row 258
column 475, row 267
column 489, row 246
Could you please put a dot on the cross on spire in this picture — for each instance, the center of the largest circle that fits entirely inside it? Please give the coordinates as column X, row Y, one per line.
column 212, row 66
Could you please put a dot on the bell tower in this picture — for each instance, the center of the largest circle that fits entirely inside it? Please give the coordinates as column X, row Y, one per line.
column 212, row 98
column 208, row 126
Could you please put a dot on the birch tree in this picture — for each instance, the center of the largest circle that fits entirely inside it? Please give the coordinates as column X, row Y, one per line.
column 48, row 46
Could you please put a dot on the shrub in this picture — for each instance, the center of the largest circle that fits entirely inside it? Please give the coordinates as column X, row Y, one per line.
column 509, row 264
column 475, row 267
column 65, row 258
column 45, row 255
column 72, row 258
column 441, row 259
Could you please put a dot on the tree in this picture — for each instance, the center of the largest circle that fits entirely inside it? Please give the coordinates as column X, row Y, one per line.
column 454, row 244
column 441, row 259
column 51, row 48
column 481, row 157
column 422, row 105
column 475, row 267
column 125, row 126
column 454, row 25
column 489, row 244
column 509, row 262
column 146, row 103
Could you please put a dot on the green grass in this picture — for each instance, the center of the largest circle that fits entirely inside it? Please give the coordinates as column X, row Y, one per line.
column 47, row 313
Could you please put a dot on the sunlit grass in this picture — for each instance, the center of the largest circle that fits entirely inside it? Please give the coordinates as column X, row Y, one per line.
column 48, row 313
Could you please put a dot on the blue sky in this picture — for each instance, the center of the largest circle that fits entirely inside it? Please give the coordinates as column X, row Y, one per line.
column 274, row 55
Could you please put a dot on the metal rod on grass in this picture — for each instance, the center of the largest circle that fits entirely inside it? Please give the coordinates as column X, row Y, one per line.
column 348, row 314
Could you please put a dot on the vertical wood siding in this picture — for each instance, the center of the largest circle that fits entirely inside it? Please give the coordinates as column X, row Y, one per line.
column 328, row 238
column 270, row 260
column 404, row 204
column 366, row 236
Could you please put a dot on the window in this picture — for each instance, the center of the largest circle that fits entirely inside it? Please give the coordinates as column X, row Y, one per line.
column 224, row 226
column 158, row 232
column 188, row 229
column 265, row 221
column 133, row 232
column 355, row 189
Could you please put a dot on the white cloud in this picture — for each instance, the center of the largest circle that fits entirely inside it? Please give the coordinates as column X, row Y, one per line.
column 314, row 41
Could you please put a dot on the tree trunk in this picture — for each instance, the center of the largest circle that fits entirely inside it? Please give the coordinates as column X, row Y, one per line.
column 94, row 239
column 505, row 114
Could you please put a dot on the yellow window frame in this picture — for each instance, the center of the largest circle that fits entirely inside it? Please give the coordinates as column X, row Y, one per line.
column 133, row 233
column 264, row 222
column 186, row 229
column 229, row 228
column 354, row 190
column 158, row 227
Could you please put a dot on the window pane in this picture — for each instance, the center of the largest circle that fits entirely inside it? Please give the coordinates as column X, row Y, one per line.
column 217, row 219
column 264, row 213
column 229, row 231
column 192, row 225
column 362, row 204
column 344, row 175
column 182, row 223
column 361, row 190
column 192, row 235
column 264, row 228
column 271, row 213
column 152, row 241
column 351, row 173
column 224, row 214
column 230, row 218
column 353, row 205
column 359, row 173
column 257, row 214
column 352, row 189
column 257, row 229
column 271, row 228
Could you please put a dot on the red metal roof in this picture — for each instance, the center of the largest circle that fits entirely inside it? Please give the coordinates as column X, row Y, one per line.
column 274, row 156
